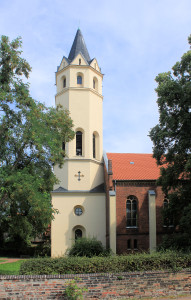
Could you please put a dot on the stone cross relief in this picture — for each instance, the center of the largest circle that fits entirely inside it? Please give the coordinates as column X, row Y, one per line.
column 79, row 176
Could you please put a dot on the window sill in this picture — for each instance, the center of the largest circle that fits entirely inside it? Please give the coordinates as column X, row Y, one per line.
column 131, row 227
column 136, row 249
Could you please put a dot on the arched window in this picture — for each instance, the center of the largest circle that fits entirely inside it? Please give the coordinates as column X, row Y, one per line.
column 131, row 211
column 78, row 234
column 94, row 146
column 64, row 82
column 78, row 143
column 95, row 84
column 79, row 79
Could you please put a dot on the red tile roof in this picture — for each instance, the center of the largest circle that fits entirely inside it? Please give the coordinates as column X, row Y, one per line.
column 134, row 166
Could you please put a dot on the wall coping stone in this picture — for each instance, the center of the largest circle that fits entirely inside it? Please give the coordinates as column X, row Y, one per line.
column 86, row 275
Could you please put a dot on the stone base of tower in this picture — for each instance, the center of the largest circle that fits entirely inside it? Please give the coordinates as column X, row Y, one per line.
column 79, row 213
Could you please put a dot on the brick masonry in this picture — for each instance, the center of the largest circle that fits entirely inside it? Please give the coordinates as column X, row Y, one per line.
column 138, row 236
column 99, row 286
column 141, row 233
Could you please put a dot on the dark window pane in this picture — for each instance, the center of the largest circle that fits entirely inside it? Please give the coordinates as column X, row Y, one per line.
column 78, row 143
column 134, row 205
column 94, row 150
column 78, row 234
column 131, row 211
column 79, row 80
column 128, row 244
column 135, row 244
column 78, row 211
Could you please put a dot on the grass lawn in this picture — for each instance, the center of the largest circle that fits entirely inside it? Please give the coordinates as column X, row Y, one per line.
column 10, row 268
column 2, row 260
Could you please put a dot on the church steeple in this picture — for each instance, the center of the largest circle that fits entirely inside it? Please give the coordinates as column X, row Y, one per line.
column 79, row 196
column 79, row 46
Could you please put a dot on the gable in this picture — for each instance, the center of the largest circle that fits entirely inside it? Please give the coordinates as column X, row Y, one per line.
column 64, row 63
column 76, row 60
column 95, row 65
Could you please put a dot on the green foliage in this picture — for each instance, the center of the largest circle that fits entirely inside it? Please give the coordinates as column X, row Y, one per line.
column 73, row 292
column 172, row 143
column 10, row 268
column 31, row 137
column 43, row 249
column 88, row 247
column 112, row 264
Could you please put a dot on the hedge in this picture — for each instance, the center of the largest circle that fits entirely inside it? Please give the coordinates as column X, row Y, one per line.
column 113, row 264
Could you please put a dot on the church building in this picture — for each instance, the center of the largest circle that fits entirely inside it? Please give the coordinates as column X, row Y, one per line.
column 110, row 196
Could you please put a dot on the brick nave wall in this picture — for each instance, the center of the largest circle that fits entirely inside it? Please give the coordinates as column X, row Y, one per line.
column 100, row 286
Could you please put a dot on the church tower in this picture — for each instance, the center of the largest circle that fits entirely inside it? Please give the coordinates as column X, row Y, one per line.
column 79, row 196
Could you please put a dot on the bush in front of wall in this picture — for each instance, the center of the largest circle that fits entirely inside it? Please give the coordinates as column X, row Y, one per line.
column 170, row 260
column 88, row 247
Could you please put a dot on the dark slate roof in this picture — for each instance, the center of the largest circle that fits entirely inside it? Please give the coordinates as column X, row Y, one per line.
column 98, row 189
column 79, row 46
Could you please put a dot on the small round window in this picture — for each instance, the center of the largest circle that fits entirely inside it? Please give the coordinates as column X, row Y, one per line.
column 78, row 210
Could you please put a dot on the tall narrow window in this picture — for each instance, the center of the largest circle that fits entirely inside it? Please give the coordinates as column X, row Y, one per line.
column 63, row 147
column 79, row 79
column 131, row 211
column 78, row 143
column 94, row 146
column 79, row 61
column 95, row 84
column 78, row 234
column 129, row 244
column 135, row 244
column 64, row 82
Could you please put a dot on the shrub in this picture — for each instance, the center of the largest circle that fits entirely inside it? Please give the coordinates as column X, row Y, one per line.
column 88, row 247
column 43, row 249
column 113, row 264
column 177, row 242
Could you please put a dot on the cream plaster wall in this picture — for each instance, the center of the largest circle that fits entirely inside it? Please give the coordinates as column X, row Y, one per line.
column 76, row 60
column 63, row 64
column 94, row 64
column 85, row 106
column 93, row 219
column 112, row 221
column 59, row 79
column 152, row 220
column 91, row 170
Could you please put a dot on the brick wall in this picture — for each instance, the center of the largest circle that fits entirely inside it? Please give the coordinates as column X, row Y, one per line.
column 141, row 234
column 100, row 286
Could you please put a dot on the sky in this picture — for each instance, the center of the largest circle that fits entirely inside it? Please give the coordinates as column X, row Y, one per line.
column 132, row 40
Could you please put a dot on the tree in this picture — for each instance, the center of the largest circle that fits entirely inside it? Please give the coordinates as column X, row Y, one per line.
column 31, row 137
column 172, row 145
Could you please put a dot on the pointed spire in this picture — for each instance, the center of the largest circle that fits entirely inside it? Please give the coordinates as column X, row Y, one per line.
column 79, row 46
